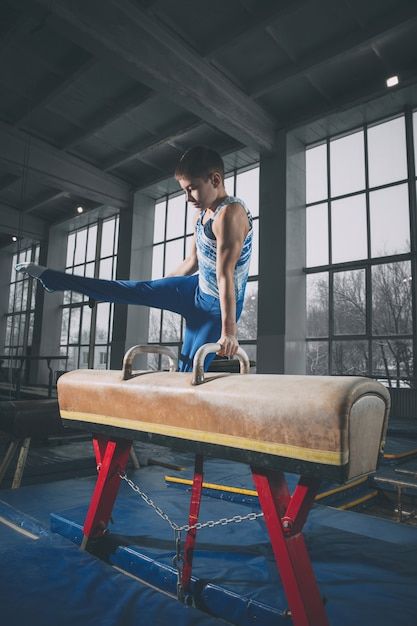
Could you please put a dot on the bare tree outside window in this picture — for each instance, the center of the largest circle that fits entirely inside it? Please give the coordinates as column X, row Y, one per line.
column 349, row 302
column 392, row 358
column 391, row 299
column 318, row 358
column 318, row 305
column 350, row 358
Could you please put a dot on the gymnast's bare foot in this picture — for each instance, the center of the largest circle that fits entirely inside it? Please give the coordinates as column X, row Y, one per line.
column 32, row 269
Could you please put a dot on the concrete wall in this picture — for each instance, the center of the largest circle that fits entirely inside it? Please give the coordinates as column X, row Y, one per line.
column 295, row 301
column 281, row 296
column 271, row 291
column 131, row 323
column 56, row 254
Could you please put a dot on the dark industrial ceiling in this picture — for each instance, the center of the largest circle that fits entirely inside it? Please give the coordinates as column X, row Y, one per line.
column 99, row 98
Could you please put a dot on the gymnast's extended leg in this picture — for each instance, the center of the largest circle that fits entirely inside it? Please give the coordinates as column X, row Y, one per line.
column 179, row 294
column 174, row 293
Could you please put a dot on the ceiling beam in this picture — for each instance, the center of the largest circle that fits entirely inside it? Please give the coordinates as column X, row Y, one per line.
column 144, row 148
column 148, row 52
column 122, row 106
column 22, row 154
column 60, row 114
column 388, row 24
column 21, row 28
column 43, row 200
column 50, row 90
column 174, row 27
column 292, row 59
column 13, row 222
column 7, row 180
column 354, row 15
column 257, row 22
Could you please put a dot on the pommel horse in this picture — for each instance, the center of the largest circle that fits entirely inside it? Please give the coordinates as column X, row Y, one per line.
column 315, row 426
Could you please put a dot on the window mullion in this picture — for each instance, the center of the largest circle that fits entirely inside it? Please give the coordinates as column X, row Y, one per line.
column 329, row 222
column 409, row 131
column 368, row 271
column 93, row 323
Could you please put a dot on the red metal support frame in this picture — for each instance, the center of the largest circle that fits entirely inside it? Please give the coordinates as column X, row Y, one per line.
column 300, row 504
column 284, row 517
column 192, row 519
column 113, row 456
column 99, row 447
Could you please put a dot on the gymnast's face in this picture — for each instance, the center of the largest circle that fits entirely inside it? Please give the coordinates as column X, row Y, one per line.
column 201, row 192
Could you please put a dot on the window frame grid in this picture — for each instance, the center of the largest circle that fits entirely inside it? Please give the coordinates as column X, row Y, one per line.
column 82, row 304
column 370, row 262
column 28, row 311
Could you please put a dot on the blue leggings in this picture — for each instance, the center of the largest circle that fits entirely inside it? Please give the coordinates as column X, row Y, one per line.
column 180, row 294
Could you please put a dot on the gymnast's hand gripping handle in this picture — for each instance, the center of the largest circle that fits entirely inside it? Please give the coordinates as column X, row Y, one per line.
column 200, row 356
column 132, row 352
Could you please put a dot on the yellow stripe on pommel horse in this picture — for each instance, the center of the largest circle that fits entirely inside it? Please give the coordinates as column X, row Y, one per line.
column 315, row 426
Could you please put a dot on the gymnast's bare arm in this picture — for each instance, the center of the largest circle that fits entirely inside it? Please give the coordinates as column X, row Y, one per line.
column 230, row 229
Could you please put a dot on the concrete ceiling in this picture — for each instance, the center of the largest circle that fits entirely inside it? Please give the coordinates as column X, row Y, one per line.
column 101, row 97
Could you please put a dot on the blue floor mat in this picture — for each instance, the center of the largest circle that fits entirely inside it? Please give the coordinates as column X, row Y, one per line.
column 366, row 567
column 47, row 581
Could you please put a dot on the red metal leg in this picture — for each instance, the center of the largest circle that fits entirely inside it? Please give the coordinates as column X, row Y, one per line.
column 113, row 463
column 300, row 504
column 192, row 519
column 99, row 446
column 284, row 517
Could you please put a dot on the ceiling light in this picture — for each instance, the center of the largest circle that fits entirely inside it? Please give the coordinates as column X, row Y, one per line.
column 80, row 209
column 392, row 81
column 14, row 238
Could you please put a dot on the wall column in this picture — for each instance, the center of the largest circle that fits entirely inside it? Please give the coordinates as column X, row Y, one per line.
column 130, row 324
column 271, row 289
column 281, row 296
column 55, row 256
column 296, row 318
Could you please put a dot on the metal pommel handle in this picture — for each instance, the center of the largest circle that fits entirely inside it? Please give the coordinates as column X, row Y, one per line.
column 132, row 352
column 208, row 348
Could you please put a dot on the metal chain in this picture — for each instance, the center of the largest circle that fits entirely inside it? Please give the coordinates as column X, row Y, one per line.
column 186, row 527
column 178, row 562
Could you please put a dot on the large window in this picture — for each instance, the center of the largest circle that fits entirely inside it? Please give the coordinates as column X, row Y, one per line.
column 173, row 232
column 359, row 255
column 86, row 332
column 21, row 309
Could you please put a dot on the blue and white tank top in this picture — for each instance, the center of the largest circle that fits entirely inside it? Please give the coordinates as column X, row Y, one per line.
column 206, row 245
